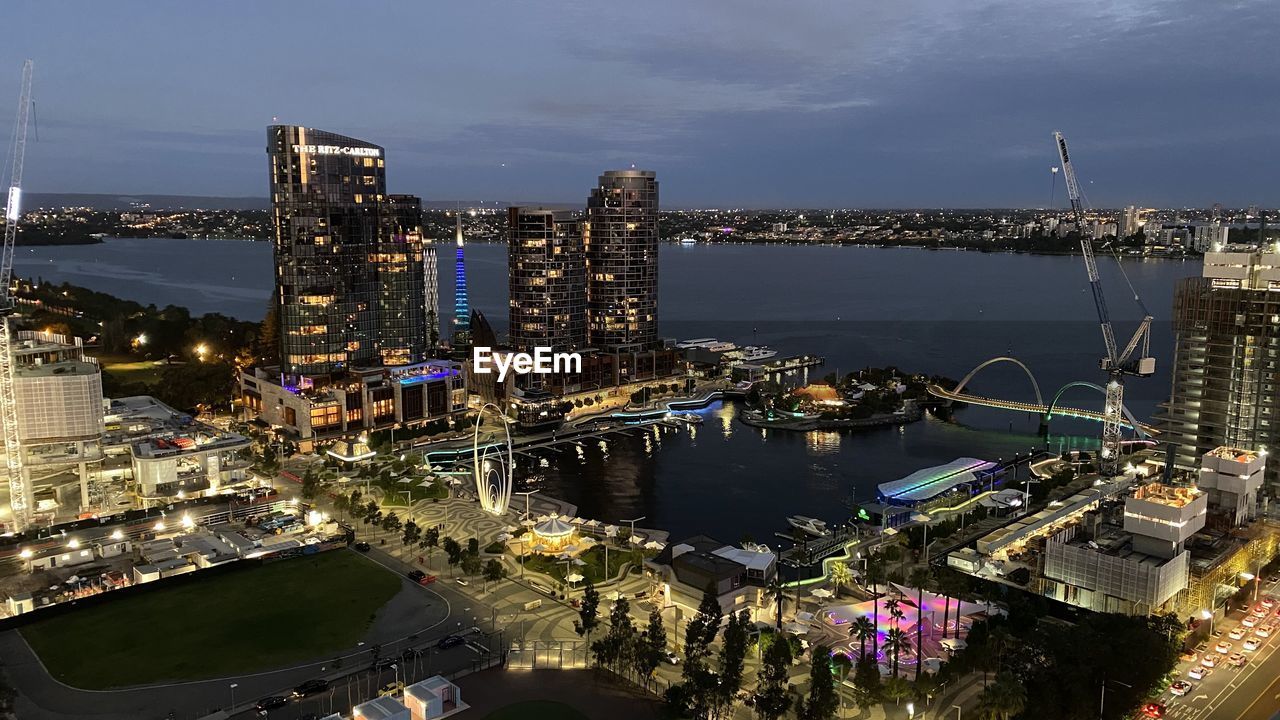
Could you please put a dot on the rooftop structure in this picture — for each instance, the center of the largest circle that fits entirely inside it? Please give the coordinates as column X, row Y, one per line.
column 434, row 698
column 738, row 575
column 1161, row 517
column 381, row 708
column 1232, row 478
column 923, row 485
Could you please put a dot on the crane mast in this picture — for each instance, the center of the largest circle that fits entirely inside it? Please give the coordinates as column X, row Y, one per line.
column 21, row 500
column 1117, row 363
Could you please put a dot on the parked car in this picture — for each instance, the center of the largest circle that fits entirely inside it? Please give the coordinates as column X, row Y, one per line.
column 1223, row 648
column 383, row 663
column 1237, row 633
column 1237, row 659
column 1180, row 687
column 462, row 581
column 1198, row 672
column 427, row 579
column 1153, row 710
column 311, row 687
column 1252, row 644
column 362, row 546
column 411, row 653
column 671, row 658
column 1262, row 631
column 1249, row 622
column 391, row 688
column 1211, row 660
column 416, row 575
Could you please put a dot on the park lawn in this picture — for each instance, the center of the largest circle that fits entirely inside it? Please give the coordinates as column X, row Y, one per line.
column 536, row 710
column 254, row 619
column 129, row 369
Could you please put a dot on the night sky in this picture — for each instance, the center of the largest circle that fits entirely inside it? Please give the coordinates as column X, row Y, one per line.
column 735, row 103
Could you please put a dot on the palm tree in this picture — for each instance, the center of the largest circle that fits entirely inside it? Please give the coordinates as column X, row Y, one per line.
column 919, row 578
column 875, row 576
column 779, row 593
column 893, row 605
column 1003, row 699
column 895, row 641
column 840, row 576
column 863, row 629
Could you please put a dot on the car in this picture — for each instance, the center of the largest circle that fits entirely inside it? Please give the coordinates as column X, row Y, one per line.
column 391, row 688
column 1252, row 644
column 311, row 687
column 1237, row 633
column 1198, row 672
column 411, row 653
column 1152, row 710
column 416, row 575
column 427, row 579
column 1259, row 611
column 671, row 658
column 1180, row 687
column 1223, row 648
column 382, row 663
column 362, row 546
column 1191, row 656
column 1237, row 660
column 462, row 581
column 1262, row 631
column 269, row 703
column 1211, row 660
column 1268, row 601
column 450, row 641
column 1249, row 622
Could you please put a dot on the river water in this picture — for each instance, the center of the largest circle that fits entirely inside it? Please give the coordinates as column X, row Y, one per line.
column 940, row 312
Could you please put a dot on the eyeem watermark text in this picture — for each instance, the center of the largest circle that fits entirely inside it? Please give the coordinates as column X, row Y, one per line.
column 542, row 361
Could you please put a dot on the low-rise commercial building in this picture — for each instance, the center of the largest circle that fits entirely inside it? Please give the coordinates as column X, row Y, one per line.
column 738, row 576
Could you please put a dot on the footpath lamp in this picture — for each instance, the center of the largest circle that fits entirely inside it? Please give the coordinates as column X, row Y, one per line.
column 1255, row 579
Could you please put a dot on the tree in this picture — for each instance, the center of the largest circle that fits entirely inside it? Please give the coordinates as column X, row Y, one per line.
column 733, row 656
column 864, row 630
column 1003, row 698
column 391, row 522
column 919, row 578
column 370, row 510
column 651, row 647
column 778, row 593
column 698, row 693
column 875, row 576
column 411, row 533
column 840, row 576
column 588, row 612
column 473, row 546
column 493, row 572
column 773, row 694
column 453, row 550
column 616, row 647
column 866, row 682
column 310, row 485
column 896, row 641
column 430, row 541
column 823, row 701
column 470, row 564
column 896, row 689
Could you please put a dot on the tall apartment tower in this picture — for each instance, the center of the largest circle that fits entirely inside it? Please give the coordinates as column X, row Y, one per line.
column 621, row 240
column 348, row 288
column 547, row 279
column 431, row 295
column 1226, row 382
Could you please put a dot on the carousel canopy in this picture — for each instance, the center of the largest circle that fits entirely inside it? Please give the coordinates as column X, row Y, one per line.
column 553, row 527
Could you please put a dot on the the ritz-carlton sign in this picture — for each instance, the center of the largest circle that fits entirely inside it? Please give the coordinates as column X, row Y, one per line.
column 337, row 150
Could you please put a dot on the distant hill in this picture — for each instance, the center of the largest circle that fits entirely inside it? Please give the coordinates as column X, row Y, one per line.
column 103, row 201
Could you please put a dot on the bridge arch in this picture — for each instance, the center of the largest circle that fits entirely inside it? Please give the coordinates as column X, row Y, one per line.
column 1035, row 385
column 1133, row 422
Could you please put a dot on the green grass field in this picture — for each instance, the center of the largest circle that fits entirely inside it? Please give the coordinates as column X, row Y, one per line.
column 132, row 370
column 536, row 710
column 286, row 612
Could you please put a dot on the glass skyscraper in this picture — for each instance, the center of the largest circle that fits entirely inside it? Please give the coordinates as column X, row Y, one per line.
column 621, row 241
column 546, row 280
column 348, row 258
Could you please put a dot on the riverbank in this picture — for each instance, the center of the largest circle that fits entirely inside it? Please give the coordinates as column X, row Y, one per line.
column 906, row 415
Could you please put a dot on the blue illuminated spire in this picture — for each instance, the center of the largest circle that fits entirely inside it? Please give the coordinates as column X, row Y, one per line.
column 461, row 306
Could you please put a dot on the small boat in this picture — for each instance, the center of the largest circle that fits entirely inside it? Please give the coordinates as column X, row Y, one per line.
column 812, row 526
column 688, row 240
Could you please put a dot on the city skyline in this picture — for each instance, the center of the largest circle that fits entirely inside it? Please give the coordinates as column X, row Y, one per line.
column 861, row 106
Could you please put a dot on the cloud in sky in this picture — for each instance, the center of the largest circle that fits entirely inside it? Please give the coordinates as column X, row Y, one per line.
column 733, row 102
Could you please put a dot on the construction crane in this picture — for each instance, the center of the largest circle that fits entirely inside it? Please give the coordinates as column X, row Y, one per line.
column 21, row 501
column 1135, row 358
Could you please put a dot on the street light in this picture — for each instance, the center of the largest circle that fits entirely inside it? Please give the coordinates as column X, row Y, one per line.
column 233, row 696
column 1247, row 577
column 1205, row 614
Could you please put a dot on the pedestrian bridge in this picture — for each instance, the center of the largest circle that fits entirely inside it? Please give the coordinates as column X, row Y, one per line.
column 1046, row 411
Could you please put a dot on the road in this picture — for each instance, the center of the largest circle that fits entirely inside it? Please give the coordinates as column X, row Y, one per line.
column 1251, row 692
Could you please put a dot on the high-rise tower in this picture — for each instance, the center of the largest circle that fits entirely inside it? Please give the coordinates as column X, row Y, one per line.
column 461, row 304
column 621, row 239
column 1226, row 383
column 346, row 256
column 547, row 280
